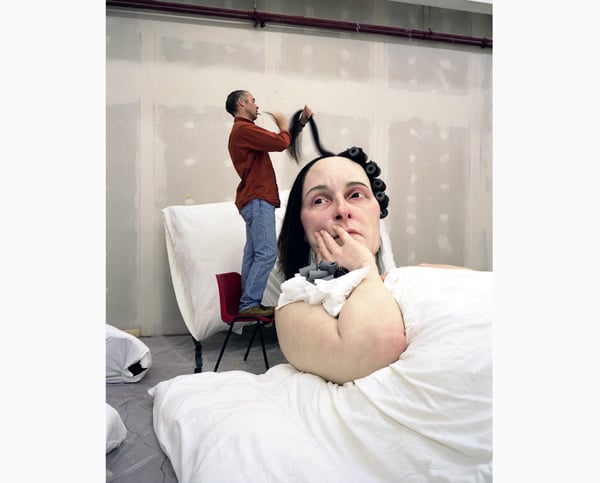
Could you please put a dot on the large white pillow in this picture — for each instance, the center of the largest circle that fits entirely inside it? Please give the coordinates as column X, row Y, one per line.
column 127, row 357
column 116, row 431
column 203, row 240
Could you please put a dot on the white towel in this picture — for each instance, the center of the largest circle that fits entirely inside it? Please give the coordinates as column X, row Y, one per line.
column 331, row 293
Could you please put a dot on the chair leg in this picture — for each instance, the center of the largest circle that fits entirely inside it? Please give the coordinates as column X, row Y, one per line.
column 224, row 345
column 251, row 340
column 198, row 356
column 262, row 341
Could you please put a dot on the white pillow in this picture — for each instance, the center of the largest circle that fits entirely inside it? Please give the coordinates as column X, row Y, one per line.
column 127, row 357
column 203, row 240
column 116, row 431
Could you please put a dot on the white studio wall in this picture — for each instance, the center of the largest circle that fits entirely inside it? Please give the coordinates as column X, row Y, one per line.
column 422, row 110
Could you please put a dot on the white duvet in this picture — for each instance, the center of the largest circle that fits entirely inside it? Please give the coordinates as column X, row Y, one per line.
column 427, row 417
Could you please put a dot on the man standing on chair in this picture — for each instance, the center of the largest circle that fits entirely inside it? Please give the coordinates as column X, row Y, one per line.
column 257, row 194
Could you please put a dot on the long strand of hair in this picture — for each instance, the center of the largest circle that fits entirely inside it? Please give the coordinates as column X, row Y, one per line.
column 295, row 132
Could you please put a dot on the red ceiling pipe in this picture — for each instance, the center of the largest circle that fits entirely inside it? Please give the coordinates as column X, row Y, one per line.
column 260, row 18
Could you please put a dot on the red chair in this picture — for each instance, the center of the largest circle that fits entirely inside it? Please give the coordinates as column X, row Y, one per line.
column 230, row 292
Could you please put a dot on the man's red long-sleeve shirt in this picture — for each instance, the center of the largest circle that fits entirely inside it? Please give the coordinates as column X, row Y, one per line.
column 249, row 147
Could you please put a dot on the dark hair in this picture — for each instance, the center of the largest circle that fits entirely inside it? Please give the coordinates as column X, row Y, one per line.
column 294, row 250
column 232, row 100
column 295, row 131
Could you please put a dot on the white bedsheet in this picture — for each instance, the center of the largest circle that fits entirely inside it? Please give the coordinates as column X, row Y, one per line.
column 427, row 417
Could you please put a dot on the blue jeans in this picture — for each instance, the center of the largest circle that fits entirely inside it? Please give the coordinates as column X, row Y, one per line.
column 260, row 251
